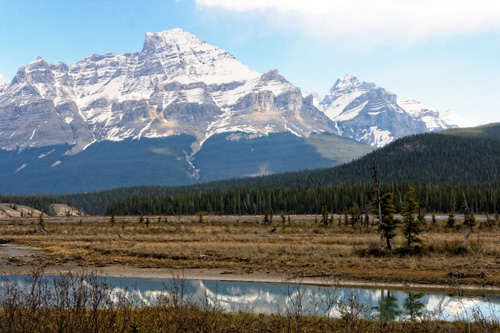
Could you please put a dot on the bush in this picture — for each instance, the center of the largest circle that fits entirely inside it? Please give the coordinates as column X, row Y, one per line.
column 411, row 250
column 373, row 250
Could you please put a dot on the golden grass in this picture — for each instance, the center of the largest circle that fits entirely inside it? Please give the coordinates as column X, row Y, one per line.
column 302, row 248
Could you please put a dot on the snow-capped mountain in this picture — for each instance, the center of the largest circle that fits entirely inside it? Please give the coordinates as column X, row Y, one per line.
column 177, row 84
column 370, row 114
column 181, row 111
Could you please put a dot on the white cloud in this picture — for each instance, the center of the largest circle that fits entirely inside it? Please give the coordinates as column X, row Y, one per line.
column 2, row 79
column 375, row 21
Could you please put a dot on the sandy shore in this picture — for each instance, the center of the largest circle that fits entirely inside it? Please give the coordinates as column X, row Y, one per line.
column 241, row 276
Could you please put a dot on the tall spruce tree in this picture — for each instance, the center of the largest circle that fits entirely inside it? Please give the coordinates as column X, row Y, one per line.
column 355, row 213
column 412, row 226
column 388, row 223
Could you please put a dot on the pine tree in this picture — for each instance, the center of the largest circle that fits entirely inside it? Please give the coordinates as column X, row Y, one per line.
column 412, row 226
column 355, row 213
column 112, row 220
column 367, row 220
column 200, row 216
column 41, row 223
column 434, row 220
column 388, row 223
column 451, row 220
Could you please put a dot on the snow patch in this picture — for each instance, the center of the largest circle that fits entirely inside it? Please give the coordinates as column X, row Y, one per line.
column 21, row 167
column 47, row 153
column 32, row 134
column 350, row 113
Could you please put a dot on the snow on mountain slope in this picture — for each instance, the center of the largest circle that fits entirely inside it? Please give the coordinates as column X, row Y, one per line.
column 367, row 113
column 177, row 84
column 375, row 118
column 430, row 116
column 453, row 119
column 272, row 105
column 344, row 91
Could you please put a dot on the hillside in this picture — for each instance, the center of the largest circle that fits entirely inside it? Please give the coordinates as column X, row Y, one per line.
column 443, row 163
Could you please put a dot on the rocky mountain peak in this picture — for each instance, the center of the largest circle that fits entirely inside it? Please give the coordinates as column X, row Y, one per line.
column 350, row 83
column 170, row 39
column 37, row 62
column 273, row 75
column 37, row 71
column 184, row 57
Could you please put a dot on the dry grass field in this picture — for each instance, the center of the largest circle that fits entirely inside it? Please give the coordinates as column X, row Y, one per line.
column 301, row 247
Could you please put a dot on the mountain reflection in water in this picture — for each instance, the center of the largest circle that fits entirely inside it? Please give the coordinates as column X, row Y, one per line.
column 380, row 304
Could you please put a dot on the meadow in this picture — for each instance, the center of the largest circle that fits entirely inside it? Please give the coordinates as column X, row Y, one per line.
column 291, row 246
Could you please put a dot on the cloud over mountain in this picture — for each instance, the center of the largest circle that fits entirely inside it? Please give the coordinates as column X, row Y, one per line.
column 374, row 22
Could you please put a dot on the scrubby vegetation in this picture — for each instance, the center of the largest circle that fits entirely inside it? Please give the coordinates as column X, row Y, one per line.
column 86, row 303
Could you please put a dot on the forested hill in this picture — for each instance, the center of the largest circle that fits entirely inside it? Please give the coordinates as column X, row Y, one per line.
column 468, row 158
column 437, row 158
column 490, row 131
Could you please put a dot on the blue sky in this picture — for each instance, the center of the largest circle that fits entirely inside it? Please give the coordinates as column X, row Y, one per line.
column 443, row 53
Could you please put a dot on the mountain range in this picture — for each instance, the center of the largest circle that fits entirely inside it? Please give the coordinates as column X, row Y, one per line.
column 183, row 111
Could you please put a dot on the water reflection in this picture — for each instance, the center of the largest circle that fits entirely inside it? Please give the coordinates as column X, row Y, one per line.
column 413, row 306
column 384, row 305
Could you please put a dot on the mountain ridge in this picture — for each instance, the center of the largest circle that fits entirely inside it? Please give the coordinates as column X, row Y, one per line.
column 181, row 86
column 173, row 71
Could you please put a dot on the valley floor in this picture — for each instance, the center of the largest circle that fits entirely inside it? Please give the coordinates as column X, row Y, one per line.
column 243, row 248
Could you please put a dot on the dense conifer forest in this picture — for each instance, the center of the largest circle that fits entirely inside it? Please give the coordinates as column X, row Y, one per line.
column 442, row 167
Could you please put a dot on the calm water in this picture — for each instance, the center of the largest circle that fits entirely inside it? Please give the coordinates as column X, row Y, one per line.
column 272, row 297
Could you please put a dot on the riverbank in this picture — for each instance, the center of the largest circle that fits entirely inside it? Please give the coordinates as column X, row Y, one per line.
column 242, row 276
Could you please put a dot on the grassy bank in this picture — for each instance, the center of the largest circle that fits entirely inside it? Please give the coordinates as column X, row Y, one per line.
column 86, row 303
column 298, row 247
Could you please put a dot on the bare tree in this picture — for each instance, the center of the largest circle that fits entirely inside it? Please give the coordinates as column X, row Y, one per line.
column 469, row 221
column 377, row 192
column 324, row 212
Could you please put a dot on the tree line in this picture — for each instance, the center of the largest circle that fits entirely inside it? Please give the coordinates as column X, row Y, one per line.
column 308, row 200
